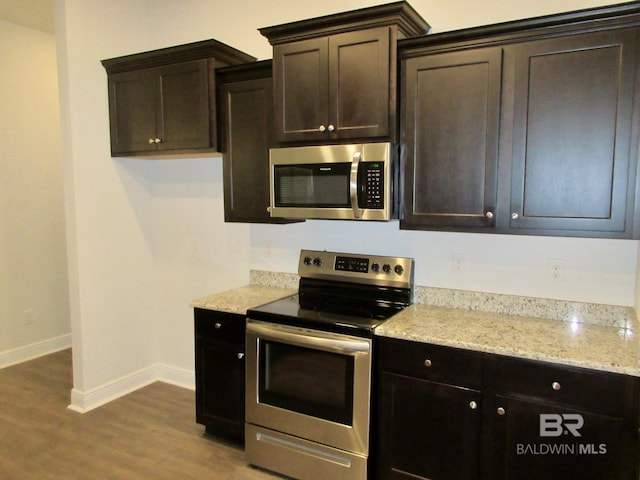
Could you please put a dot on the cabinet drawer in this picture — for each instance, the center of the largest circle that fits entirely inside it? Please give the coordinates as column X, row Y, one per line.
column 583, row 388
column 219, row 325
column 430, row 362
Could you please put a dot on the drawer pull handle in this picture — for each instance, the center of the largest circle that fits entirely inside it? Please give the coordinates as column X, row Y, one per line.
column 556, row 386
column 473, row 405
column 427, row 363
column 501, row 411
column 240, row 356
column 218, row 326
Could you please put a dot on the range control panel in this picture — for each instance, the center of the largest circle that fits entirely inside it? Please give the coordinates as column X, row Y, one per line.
column 368, row 269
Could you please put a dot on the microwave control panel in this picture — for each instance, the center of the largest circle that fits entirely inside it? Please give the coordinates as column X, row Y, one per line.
column 373, row 182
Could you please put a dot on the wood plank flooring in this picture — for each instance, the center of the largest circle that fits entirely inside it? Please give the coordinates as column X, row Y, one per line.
column 148, row 434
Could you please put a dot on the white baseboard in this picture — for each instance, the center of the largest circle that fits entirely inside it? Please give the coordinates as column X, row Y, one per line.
column 84, row 401
column 34, row 350
column 177, row 376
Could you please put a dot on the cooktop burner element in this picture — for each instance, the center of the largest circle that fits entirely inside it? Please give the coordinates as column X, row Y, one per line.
column 344, row 293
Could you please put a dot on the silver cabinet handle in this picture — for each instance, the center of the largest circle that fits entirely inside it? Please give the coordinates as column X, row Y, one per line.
column 217, row 325
column 556, row 386
column 240, row 356
column 152, row 141
column 158, row 140
column 515, row 215
column 473, row 405
column 501, row 411
column 427, row 363
column 331, row 128
column 489, row 215
column 321, row 128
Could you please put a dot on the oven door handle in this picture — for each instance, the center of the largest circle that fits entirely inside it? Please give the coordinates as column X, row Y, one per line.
column 318, row 341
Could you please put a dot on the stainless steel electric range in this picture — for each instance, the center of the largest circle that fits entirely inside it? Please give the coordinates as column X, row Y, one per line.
column 309, row 365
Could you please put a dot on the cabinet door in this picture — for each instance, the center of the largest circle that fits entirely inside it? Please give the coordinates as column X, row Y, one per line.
column 359, row 84
column 582, row 444
column 220, row 387
column 132, row 111
column 301, row 90
column 427, row 430
column 572, row 133
column 182, row 115
column 246, row 113
column 451, row 105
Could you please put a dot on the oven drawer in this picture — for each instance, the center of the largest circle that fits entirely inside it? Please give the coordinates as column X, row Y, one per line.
column 430, row 362
column 220, row 325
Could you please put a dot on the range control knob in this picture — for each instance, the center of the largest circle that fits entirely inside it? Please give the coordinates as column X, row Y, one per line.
column 375, row 267
column 317, row 262
column 386, row 268
column 399, row 270
column 307, row 260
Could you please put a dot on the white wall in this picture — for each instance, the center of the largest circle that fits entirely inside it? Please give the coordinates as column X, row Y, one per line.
column 34, row 306
column 598, row 271
column 146, row 237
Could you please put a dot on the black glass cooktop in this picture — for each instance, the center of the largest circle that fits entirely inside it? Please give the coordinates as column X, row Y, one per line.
column 343, row 293
column 288, row 311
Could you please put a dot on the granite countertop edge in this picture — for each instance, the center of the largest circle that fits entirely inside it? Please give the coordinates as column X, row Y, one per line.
column 599, row 347
column 241, row 299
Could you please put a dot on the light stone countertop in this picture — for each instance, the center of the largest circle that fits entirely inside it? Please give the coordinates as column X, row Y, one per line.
column 239, row 300
column 600, row 347
column 601, row 337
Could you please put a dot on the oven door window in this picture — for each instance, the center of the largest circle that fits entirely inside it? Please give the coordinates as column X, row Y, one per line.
column 308, row 381
column 316, row 185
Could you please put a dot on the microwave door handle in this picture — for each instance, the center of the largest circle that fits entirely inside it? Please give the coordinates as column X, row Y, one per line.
column 353, row 185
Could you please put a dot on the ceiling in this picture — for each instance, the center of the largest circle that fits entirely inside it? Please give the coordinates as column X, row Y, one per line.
column 36, row 14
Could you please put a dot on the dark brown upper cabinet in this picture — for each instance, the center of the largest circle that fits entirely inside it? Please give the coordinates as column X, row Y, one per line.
column 526, row 127
column 451, row 118
column 572, row 133
column 163, row 102
column 245, row 122
column 335, row 76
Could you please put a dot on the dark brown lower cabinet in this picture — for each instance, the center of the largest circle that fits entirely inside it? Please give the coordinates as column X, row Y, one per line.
column 429, row 411
column 604, row 450
column 219, row 364
column 451, row 414
column 419, row 408
column 546, row 421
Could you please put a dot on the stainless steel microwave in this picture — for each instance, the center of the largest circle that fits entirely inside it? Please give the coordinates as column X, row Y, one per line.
column 343, row 182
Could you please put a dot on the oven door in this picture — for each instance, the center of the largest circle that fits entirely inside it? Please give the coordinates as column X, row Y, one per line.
column 308, row 383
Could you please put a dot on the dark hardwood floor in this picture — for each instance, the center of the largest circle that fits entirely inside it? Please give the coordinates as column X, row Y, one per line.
column 148, row 434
